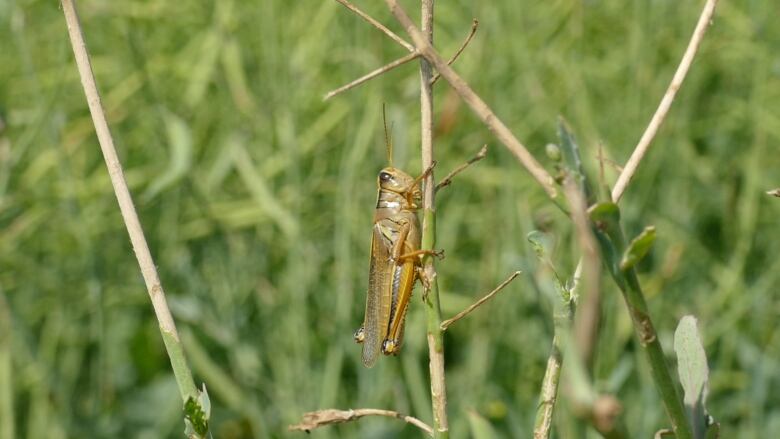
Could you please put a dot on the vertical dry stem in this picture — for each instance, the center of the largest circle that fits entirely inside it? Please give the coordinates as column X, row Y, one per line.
column 140, row 247
column 433, row 308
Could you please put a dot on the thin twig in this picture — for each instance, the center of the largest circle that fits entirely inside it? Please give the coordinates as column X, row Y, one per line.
column 478, row 106
column 548, row 395
column 474, row 25
column 400, row 61
column 666, row 102
column 377, row 25
column 446, row 324
column 368, row 76
column 321, row 418
column 141, row 249
column 446, row 181
column 562, row 316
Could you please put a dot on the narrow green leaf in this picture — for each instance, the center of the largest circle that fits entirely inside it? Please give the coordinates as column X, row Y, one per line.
column 202, row 67
column 691, row 359
column 180, row 162
column 694, row 372
column 572, row 161
column 638, row 248
column 480, row 427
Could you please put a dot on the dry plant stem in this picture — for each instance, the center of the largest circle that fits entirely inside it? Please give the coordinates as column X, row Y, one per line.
column 549, row 393
column 322, row 418
column 476, row 104
column 368, row 76
column 474, row 25
column 393, row 36
column 603, row 411
column 562, row 319
column 432, row 305
column 167, row 327
column 588, row 316
column 399, row 62
column 446, row 324
column 666, row 102
column 446, row 181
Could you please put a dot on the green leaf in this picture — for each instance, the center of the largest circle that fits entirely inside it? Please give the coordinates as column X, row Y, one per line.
column 180, row 162
column 605, row 212
column 606, row 226
column 693, row 370
column 572, row 161
column 638, row 248
column 691, row 359
column 480, row 427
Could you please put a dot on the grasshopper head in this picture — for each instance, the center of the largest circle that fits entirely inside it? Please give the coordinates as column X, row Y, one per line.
column 399, row 182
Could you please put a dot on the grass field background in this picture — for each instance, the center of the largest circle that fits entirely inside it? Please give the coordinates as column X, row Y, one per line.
column 257, row 197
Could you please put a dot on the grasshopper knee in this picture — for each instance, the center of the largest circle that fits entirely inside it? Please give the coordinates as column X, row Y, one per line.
column 360, row 335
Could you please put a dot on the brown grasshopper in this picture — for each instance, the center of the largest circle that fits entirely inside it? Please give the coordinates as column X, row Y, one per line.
column 394, row 261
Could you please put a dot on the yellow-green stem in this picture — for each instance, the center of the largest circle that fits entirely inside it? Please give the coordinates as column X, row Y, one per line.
column 432, row 308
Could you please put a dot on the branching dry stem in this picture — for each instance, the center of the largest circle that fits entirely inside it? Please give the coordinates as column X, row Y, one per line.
column 477, row 105
column 474, row 25
column 322, row 418
column 373, row 22
column 398, row 62
column 446, row 181
column 588, row 315
column 371, row 75
column 446, row 324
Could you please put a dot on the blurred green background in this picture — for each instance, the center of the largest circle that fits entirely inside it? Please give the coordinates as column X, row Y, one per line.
column 257, row 197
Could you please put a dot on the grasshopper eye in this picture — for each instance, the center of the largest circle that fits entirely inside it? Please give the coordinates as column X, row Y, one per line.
column 384, row 176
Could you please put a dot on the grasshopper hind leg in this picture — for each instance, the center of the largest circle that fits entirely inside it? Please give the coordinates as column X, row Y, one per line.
column 392, row 346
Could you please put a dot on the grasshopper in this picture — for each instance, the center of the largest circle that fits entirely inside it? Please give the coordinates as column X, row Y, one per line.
column 394, row 261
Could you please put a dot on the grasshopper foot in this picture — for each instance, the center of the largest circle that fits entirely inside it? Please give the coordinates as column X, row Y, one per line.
column 360, row 335
column 390, row 347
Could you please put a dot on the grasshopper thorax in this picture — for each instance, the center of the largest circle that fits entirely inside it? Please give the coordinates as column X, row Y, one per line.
column 397, row 190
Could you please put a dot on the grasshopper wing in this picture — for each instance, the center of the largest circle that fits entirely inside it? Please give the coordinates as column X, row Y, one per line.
column 379, row 298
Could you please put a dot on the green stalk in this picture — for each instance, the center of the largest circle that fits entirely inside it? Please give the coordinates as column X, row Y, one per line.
column 648, row 339
column 435, row 334
column 432, row 306
column 6, row 372
column 609, row 233
column 563, row 312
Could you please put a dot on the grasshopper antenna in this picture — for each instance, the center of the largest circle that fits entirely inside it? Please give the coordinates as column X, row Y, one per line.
column 388, row 140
